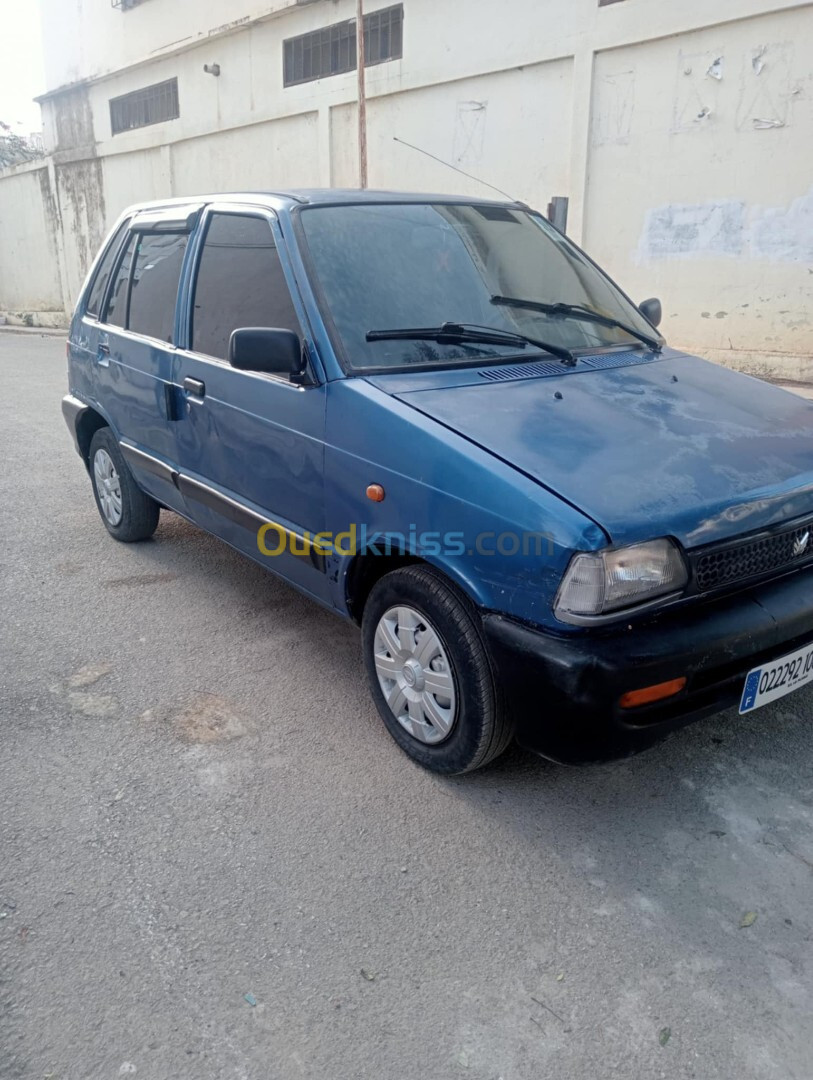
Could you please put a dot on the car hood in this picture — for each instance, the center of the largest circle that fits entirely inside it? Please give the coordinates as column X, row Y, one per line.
column 672, row 446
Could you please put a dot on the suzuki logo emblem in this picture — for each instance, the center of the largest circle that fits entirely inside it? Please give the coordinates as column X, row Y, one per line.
column 800, row 544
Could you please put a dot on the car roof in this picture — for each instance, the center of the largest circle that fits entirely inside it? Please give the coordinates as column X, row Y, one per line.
column 321, row 196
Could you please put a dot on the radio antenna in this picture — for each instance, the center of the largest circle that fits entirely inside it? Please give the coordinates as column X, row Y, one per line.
column 449, row 165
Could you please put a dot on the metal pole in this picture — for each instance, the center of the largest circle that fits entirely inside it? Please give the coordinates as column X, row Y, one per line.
column 362, row 94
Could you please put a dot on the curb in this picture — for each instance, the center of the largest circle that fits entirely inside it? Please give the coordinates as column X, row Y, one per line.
column 41, row 331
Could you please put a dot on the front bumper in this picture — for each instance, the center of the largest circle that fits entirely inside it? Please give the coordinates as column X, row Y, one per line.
column 563, row 690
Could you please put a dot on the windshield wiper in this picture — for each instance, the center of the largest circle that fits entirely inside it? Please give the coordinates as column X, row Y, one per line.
column 577, row 311
column 451, row 333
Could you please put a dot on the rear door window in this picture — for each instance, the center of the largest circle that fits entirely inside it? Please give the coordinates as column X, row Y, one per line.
column 239, row 283
column 145, row 290
column 154, row 288
column 99, row 287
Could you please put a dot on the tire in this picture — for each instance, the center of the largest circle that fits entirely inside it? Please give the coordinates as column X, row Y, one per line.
column 136, row 512
column 447, row 681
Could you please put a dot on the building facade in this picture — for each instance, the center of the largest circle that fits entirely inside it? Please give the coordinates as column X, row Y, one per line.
column 681, row 134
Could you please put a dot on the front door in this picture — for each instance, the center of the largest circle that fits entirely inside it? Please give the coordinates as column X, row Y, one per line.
column 250, row 446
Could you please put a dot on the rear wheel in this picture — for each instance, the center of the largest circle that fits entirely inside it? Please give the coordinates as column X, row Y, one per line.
column 429, row 672
column 128, row 514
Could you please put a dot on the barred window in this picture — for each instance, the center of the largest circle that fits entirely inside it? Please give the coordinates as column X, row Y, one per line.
column 150, row 105
column 384, row 35
column 332, row 50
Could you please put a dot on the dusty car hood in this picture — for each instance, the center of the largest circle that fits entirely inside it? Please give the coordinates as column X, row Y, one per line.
column 678, row 446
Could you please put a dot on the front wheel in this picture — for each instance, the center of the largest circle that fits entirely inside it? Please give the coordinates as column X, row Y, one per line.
column 128, row 514
column 429, row 672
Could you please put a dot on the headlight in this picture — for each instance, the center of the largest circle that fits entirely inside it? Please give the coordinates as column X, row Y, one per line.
column 598, row 583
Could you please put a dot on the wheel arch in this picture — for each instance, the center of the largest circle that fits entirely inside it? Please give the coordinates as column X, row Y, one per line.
column 362, row 571
column 87, row 424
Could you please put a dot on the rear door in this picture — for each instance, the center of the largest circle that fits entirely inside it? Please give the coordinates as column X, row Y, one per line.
column 249, row 446
column 86, row 330
column 135, row 345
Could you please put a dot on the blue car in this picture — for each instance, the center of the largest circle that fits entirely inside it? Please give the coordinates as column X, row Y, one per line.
column 441, row 420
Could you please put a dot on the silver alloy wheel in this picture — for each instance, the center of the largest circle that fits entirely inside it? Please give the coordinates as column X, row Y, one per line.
column 414, row 674
column 108, row 486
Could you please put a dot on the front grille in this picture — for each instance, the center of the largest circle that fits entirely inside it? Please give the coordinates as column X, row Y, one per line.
column 767, row 553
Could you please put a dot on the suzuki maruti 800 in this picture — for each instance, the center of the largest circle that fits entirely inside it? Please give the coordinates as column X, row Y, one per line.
column 440, row 419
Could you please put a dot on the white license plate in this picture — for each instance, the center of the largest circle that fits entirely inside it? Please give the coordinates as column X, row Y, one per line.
column 777, row 678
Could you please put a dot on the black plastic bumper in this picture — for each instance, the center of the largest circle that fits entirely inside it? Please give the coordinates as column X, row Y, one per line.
column 73, row 410
column 563, row 690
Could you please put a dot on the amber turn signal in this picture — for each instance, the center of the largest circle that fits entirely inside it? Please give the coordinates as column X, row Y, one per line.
column 633, row 698
column 376, row 493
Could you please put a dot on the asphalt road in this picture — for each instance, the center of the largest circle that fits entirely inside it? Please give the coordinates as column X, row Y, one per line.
column 199, row 803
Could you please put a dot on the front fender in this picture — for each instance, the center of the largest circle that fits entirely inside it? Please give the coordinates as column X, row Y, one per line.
column 437, row 482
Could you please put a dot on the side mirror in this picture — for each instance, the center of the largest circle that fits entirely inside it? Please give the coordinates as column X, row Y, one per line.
column 276, row 352
column 652, row 311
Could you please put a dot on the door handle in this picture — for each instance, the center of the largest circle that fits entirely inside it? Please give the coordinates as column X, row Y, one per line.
column 194, row 387
column 103, row 354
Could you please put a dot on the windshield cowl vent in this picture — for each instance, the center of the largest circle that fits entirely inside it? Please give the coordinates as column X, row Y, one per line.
column 541, row 369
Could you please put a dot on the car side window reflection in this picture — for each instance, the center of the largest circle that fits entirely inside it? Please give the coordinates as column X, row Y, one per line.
column 99, row 287
column 144, row 296
column 154, row 290
column 117, row 304
column 239, row 283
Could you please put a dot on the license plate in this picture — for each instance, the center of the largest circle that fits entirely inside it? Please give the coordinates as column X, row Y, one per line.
column 777, row 678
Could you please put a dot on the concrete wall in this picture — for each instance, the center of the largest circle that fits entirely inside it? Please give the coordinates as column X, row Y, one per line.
column 682, row 134
column 30, row 281
column 701, row 183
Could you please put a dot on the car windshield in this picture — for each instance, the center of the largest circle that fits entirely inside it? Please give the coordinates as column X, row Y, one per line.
column 410, row 266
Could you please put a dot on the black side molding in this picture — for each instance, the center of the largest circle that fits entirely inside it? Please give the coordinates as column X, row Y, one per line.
column 148, row 463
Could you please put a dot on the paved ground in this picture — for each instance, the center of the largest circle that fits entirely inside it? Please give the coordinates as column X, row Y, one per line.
column 197, row 802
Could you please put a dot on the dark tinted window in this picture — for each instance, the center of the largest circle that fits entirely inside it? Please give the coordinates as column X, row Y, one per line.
column 239, row 283
column 159, row 257
column 97, row 290
column 117, row 304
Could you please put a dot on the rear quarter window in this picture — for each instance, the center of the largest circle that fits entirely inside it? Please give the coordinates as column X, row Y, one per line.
column 102, row 276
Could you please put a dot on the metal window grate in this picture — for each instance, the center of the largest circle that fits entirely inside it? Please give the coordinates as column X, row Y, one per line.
column 150, row 105
column 384, row 35
column 332, row 50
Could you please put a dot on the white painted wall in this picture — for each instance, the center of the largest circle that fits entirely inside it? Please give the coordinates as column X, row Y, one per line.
column 712, row 212
column 700, row 181
column 29, row 268
column 510, row 128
